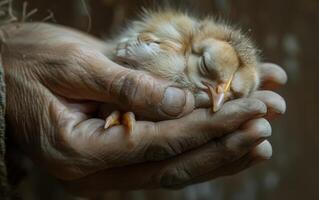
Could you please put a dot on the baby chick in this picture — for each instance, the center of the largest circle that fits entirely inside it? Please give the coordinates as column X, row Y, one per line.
column 203, row 55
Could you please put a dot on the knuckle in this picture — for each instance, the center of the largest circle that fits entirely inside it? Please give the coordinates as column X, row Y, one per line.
column 175, row 178
column 160, row 149
column 228, row 153
column 74, row 51
column 80, row 54
column 158, row 152
column 241, row 164
column 128, row 86
column 69, row 172
column 3, row 37
column 73, row 55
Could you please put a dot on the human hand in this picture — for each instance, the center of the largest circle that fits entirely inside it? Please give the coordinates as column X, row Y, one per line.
column 55, row 78
column 200, row 146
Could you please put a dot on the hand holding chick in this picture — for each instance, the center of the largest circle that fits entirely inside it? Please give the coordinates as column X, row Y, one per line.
column 57, row 79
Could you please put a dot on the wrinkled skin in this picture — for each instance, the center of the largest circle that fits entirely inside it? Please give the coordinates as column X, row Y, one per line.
column 57, row 78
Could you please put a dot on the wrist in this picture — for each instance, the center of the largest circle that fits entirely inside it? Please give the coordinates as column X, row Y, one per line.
column 4, row 35
column 10, row 48
column 2, row 41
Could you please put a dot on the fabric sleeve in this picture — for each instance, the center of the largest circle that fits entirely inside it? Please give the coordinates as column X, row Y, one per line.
column 3, row 170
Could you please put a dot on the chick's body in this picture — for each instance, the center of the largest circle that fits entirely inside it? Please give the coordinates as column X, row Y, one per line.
column 203, row 55
column 190, row 51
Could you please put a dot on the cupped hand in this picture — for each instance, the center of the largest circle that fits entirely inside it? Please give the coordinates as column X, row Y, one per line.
column 198, row 147
column 57, row 77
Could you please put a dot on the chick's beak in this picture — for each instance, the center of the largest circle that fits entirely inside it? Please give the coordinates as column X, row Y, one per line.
column 218, row 94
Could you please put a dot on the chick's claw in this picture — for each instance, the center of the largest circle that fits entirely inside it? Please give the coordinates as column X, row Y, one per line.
column 115, row 118
column 129, row 121
column 112, row 120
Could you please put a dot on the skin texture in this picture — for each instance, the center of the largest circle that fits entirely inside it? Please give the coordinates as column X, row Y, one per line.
column 56, row 80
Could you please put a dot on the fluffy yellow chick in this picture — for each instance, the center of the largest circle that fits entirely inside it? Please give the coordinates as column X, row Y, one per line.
column 203, row 55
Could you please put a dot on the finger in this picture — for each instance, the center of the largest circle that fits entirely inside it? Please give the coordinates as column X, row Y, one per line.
column 276, row 105
column 251, row 133
column 190, row 166
column 272, row 76
column 258, row 154
column 152, row 141
column 186, row 168
column 262, row 152
column 140, row 176
column 158, row 141
column 201, row 126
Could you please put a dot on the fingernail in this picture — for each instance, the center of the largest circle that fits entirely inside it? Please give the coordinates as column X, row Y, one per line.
column 173, row 102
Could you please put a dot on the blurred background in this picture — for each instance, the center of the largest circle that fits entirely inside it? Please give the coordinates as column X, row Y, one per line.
column 287, row 32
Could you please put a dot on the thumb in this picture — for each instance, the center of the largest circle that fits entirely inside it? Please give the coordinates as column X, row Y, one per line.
column 149, row 96
column 100, row 79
